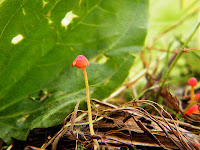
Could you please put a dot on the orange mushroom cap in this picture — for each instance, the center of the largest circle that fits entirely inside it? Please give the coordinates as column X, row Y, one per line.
column 192, row 81
column 80, row 62
column 193, row 109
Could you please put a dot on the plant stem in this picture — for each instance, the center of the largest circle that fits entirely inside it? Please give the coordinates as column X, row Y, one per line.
column 181, row 52
column 89, row 107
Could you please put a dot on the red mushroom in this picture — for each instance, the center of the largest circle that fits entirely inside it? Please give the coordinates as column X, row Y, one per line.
column 192, row 82
column 81, row 62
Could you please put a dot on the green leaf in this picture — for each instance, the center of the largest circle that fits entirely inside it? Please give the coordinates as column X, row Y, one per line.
column 38, row 86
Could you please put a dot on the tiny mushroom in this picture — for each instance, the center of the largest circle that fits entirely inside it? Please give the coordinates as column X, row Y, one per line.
column 81, row 62
column 192, row 82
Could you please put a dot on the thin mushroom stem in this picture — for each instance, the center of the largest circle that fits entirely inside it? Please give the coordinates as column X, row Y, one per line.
column 192, row 94
column 89, row 106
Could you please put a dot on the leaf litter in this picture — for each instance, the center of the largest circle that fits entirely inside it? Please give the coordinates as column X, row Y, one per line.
column 128, row 127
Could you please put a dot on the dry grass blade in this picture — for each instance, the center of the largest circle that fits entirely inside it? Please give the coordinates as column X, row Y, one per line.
column 45, row 145
column 167, row 129
column 54, row 140
column 73, row 117
column 103, row 103
column 147, row 131
column 173, row 127
column 72, row 121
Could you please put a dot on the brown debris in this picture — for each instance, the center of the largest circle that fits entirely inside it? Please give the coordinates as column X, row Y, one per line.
column 170, row 100
column 130, row 127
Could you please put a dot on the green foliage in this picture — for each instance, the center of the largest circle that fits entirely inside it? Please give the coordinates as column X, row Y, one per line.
column 38, row 86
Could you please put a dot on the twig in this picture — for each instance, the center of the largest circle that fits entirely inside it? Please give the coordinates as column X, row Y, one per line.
column 146, row 130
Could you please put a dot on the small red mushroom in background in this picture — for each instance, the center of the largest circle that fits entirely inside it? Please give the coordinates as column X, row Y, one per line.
column 192, row 82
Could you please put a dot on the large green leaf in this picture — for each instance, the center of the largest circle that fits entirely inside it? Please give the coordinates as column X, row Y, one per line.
column 109, row 32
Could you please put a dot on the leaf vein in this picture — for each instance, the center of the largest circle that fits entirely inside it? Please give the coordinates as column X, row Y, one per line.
column 12, row 18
